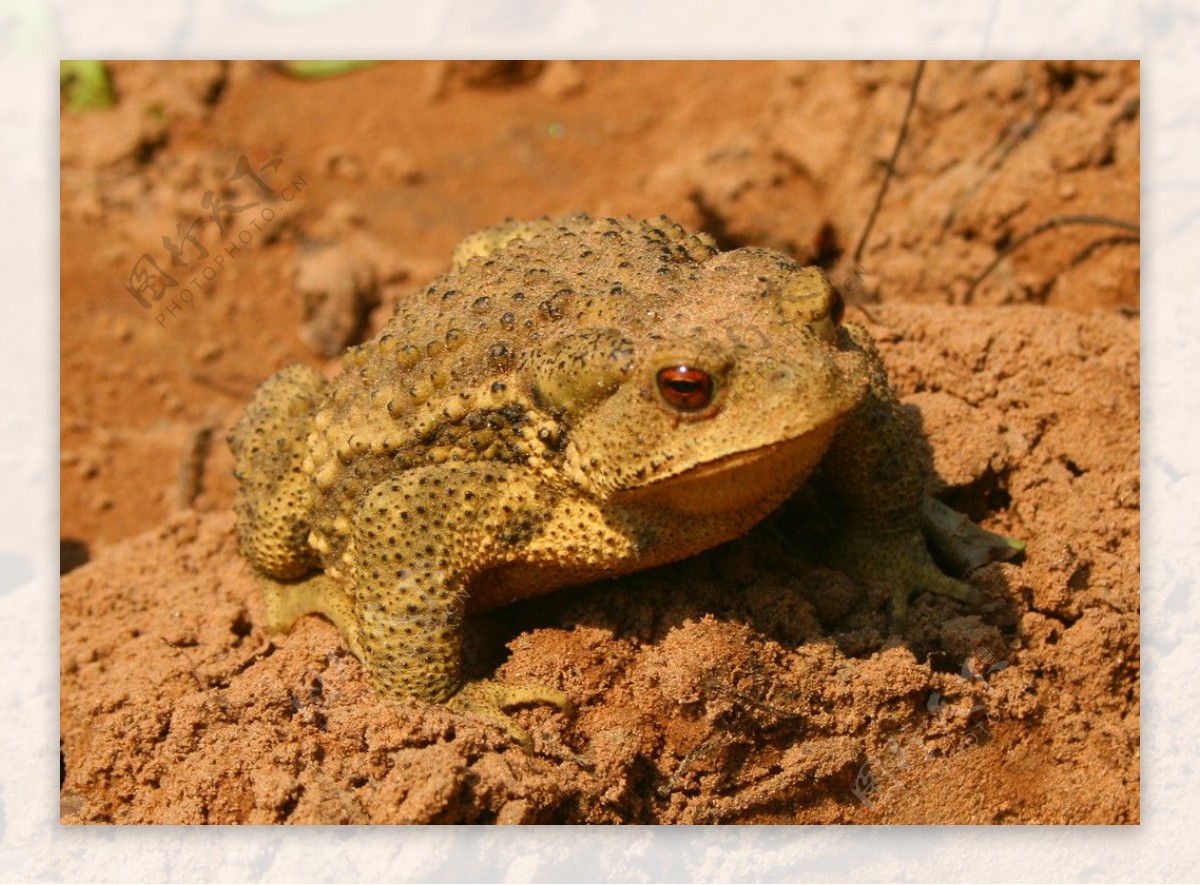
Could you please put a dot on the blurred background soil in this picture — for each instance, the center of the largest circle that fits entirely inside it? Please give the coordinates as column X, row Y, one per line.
column 744, row 685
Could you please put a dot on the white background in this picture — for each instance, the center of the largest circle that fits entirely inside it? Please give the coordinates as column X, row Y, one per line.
column 1166, row 847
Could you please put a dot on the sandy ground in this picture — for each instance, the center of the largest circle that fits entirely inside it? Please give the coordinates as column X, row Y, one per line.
column 744, row 685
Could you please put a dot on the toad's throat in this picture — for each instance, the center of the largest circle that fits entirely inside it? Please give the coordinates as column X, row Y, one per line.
column 760, row 478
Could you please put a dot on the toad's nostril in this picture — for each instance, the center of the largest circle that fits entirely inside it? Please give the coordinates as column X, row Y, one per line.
column 837, row 306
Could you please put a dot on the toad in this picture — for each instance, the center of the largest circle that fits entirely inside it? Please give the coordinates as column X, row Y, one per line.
column 573, row 400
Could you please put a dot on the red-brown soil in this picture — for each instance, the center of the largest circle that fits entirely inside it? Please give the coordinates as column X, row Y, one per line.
column 744, row 685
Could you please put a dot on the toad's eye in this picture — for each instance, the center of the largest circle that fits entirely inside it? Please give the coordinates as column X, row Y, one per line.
column 685, row 387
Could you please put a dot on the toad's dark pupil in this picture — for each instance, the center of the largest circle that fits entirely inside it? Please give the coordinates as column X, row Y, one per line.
column 685, row 388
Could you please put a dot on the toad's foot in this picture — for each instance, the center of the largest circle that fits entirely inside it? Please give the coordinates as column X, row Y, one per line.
column 488, row 699
column 902, row 559
column 287, row 601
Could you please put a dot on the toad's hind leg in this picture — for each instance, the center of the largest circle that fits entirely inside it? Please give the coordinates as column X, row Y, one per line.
column 269, row 445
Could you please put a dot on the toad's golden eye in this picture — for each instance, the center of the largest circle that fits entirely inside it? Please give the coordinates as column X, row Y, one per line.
column 685, row 387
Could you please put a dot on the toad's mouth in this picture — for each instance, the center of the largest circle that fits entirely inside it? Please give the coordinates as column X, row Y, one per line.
column 765, row 476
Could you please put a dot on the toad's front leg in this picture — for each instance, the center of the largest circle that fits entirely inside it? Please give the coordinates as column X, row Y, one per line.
column 875, row 466
column 418, row 542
